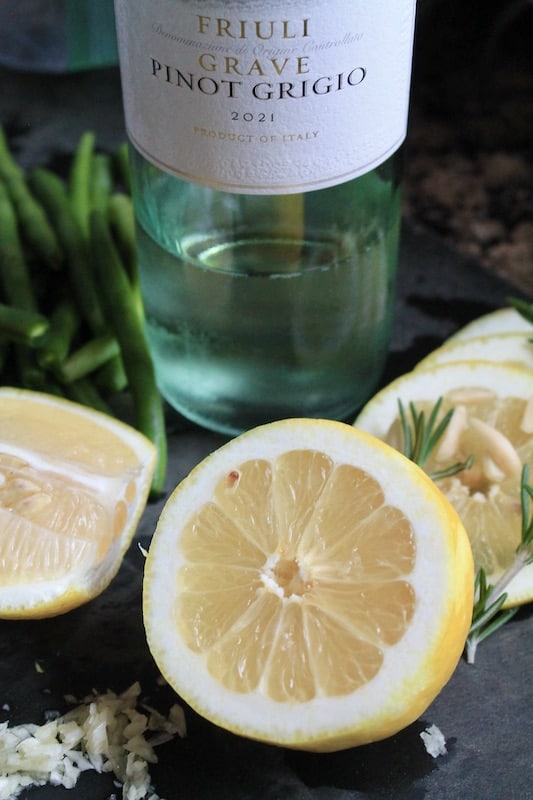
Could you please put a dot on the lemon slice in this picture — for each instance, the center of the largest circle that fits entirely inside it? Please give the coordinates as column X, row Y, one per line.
column 308, row 586
column 503, row 320
column 515, row 349
column 73, row 484
column 493, row 421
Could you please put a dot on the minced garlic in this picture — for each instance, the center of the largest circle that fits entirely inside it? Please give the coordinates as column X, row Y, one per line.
column 434, row 741
column 106, row 732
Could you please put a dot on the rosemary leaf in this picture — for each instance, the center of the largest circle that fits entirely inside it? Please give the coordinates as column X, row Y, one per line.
column 453, row 469
column 420, row 437
column 524, row 308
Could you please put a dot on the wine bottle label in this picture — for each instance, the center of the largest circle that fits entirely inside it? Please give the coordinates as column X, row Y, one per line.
column 266, row 97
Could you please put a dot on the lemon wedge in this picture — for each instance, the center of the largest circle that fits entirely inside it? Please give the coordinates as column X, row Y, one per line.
column 514, row 349
column 493, row 422
column 73, row 484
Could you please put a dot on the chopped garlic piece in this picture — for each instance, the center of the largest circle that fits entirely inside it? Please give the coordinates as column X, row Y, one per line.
column 143, row 550
column 491, row 470
column 434, row 741
column 449, row 445
column 105, row 733
column 499, row 450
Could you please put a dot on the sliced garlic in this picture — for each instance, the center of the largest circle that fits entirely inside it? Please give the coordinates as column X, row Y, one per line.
column 496, row 447
column 449, row 446
column 491, row 470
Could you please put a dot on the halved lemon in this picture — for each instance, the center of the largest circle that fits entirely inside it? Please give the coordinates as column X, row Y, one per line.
column 73, row 484
column 308, row 586
column 515, row 349
column 493, row 421
column 503, row 320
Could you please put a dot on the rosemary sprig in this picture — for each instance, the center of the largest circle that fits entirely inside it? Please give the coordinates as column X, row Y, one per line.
column 488, row 615
column 420, row 437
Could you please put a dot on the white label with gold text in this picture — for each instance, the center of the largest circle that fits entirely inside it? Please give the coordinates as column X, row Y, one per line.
column 266, row 97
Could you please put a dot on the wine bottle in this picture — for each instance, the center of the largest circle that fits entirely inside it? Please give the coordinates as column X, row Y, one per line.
column 266, row 140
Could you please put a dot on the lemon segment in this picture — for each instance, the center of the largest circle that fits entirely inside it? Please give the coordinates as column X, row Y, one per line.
column 73, row 483
column 308, row 586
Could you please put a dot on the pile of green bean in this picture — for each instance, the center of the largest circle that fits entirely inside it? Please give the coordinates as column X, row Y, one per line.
column 71, row 318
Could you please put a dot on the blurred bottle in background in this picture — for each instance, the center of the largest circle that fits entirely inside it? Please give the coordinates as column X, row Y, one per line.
column 57, row 35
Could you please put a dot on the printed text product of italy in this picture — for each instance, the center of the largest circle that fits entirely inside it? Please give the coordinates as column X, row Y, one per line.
column 265, row 182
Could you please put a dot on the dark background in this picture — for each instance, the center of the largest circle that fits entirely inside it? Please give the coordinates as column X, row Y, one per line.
column 469, row 154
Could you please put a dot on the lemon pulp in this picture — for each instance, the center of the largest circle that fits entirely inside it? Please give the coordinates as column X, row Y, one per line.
column 306, row 583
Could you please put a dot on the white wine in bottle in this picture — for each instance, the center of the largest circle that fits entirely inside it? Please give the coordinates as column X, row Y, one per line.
column 265, row 148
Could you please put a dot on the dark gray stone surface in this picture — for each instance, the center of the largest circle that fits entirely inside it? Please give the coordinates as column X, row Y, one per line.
column 485, row 710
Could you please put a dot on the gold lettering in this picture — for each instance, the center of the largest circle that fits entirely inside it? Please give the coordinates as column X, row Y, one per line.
column 231, row 65
column 286, row 30
column 255, row 67
column 267, row 34
column 258, row 29
column 279, row 69
column 223, row 28
column 207, row 61
column 203, row 23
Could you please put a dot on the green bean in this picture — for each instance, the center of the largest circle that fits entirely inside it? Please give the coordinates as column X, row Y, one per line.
column 128, row 329
column 88, row 358
column 111, row 378
column 18, row 290
column 101, row 181
column 25, row 327
column 45, row 382
column 85, row 392
column 122, row 214
column 122, row 219
column 51, row 191
column 64, row 322
column 80, row 180
column 34, row 222
column 30, row 375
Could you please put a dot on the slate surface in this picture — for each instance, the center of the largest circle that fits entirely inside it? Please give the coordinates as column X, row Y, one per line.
column 485, row 710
